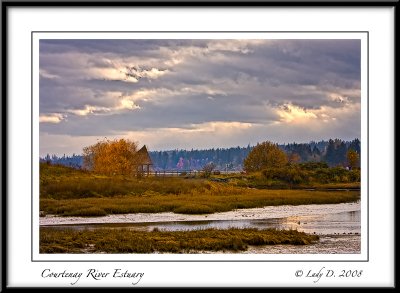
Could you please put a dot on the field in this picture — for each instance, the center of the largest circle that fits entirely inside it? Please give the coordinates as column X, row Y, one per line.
column 69, row 192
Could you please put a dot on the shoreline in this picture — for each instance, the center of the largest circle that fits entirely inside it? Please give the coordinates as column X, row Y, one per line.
column 327, row 244
column 268, row 212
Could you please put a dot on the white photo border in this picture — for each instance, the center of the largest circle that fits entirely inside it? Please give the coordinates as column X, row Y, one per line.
column 37, row 36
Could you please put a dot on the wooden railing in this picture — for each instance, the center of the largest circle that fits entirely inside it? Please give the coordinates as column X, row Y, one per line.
column 175, row 173
column 165, row 173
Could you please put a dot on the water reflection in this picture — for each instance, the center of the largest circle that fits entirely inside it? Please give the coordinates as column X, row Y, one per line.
column 337, row 223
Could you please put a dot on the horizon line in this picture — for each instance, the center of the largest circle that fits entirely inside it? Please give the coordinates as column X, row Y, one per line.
column 205, row 149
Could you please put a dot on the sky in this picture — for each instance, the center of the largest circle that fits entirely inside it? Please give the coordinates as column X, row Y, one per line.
column 184, row 94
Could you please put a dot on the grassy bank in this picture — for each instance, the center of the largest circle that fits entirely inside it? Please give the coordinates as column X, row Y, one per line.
column 59, row 182
column 127, row 241
column 217, row 199
column 69, row 192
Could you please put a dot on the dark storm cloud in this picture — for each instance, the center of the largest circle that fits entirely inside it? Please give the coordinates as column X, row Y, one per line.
column 191, row 111
column 100, row 87
column 113, row 47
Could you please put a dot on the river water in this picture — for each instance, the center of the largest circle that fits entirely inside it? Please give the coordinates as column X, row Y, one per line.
column 339, row 225
column 328, row 224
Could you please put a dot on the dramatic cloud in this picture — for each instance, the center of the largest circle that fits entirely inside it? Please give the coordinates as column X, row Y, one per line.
column 171, row 94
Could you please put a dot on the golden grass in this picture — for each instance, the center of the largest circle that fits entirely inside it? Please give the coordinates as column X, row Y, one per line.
column 68, row 192
column 128, row 241
column 218, row 198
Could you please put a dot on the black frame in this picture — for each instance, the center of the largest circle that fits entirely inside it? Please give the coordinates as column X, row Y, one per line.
column 205, row 3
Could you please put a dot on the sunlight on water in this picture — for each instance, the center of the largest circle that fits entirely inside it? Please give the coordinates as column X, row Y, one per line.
column 318, row 222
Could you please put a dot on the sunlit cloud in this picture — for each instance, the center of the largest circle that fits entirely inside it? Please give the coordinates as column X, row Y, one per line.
column 90, row 110
column 51, row 118
column 127, row 104
column 292, row 114
column 43, row 73
column 124, row 104
column 242, row 46
column 137, row 72
column 111, row 74
column 125, row 73
column 340, row 99
column 214, row 127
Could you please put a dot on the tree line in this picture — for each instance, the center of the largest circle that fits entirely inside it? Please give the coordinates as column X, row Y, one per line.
column 334, row 152
column 276, row 166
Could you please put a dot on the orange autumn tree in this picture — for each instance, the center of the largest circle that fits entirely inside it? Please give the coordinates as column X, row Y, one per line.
column 111, row 157
column 265, row 155
column 352, row 159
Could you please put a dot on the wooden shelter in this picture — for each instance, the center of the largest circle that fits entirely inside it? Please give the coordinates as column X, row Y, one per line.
column 144, row 161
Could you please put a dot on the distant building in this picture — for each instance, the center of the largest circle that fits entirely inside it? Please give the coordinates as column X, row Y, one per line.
column 144, row 161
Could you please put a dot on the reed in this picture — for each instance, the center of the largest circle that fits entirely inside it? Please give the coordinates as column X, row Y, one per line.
column 127, row 241
column 68, row 192
column 214, row 200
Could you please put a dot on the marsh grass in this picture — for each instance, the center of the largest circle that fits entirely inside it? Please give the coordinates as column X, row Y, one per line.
column 60, row 182
column 81, row 187
column 68, row 192
column 128, row 241
column 194, row 203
